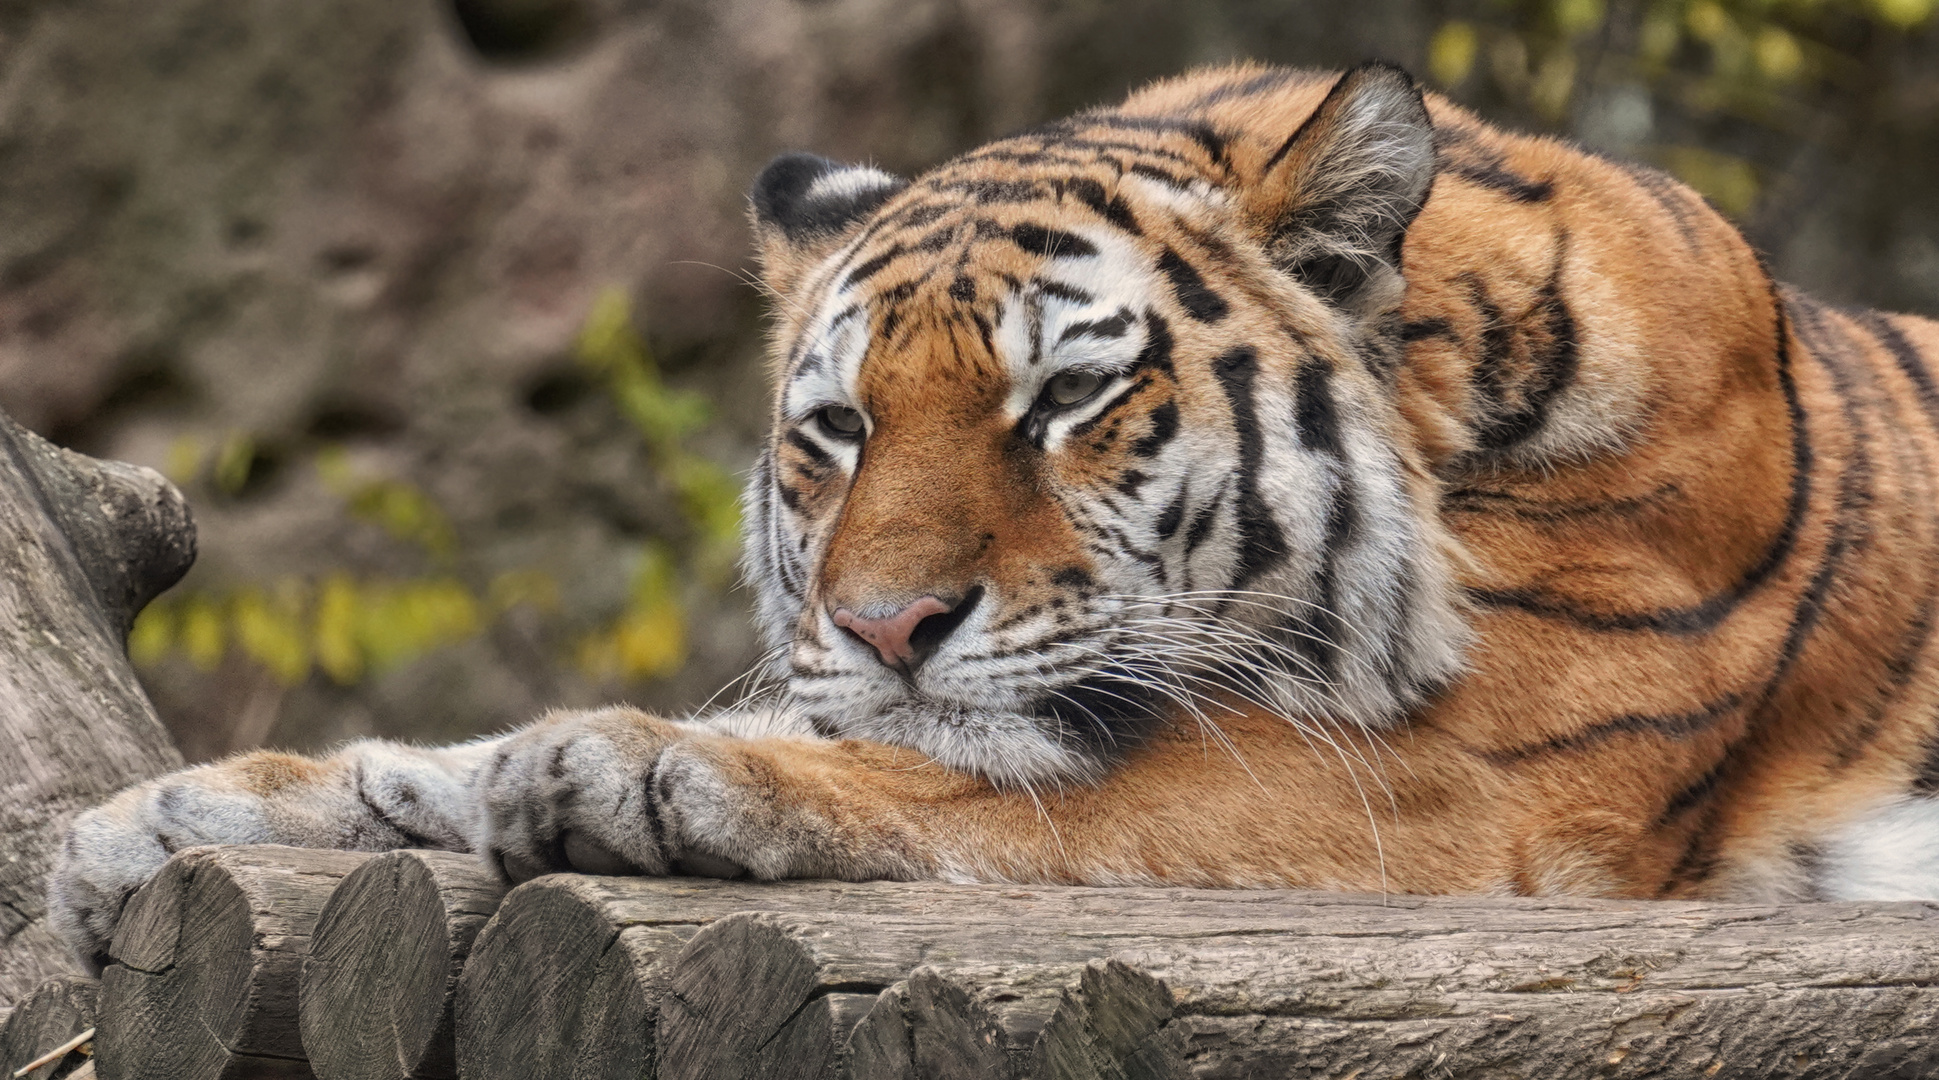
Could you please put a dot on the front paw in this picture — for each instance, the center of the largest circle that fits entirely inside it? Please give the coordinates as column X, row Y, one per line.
column 573, row 792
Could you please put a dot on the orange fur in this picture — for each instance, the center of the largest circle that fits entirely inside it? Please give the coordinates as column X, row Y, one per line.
column 1701, row 593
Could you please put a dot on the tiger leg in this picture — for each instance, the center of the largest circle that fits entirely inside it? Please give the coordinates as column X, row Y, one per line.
column 369, row 796
column 1257, row 804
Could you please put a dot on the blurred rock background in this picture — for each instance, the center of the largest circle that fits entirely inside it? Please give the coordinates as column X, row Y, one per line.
column 436, row 308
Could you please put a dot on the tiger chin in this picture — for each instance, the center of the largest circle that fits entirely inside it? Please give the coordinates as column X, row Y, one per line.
column 1279, row 479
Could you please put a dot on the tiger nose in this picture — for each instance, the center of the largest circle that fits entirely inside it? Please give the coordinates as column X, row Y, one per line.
column 908, row 637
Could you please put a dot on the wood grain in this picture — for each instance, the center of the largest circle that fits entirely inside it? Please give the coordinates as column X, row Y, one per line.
column 59, row 1009
column 83, row 545
column 206, row 964
column 382, row 973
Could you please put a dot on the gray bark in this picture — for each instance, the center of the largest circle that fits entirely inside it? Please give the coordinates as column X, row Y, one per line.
column 566, row 981
column 83, row 545
column 382, row 973
column 206, row 963
column 57, row 1011
column 1320, row 986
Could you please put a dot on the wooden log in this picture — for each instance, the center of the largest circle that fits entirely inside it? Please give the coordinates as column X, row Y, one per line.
column 58, row 1011
column 205, row 966
column 381, row 977
column 1326, row 986
column 86, row 543
column 568, row 977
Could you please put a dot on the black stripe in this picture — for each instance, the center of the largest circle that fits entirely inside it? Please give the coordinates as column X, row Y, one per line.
column 1199, row 131
column 1670, row 195
column 1169, row 179
column 1315, row 411
column 1428, row 328
column 963, row 289
column 1688, row 799
column 1676, row 726
column 809, row 448
column 1899, row 669
column 1482, row 501
column 1113, row 326
column 1700, row 855
column 1705, row 615
column 986, row 192
column 1271, row 80
column 1111, row 208
column 1198, row 300
column 1164, row 428
column 412, row 838
column 1051, row 243
column 1318, row 630
column 1554, row 371
column 1905, row 355
column 1090, row 423
column 1170, row 517
column 985, row 331
column 1457, row 152
column 1201, row 526
column 871, row 267
column 1156, row 354
column 1068, row 293
column 1261, row 543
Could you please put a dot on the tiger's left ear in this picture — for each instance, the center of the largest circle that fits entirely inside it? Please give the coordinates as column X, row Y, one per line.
column 804, row 207
column 1336, row 198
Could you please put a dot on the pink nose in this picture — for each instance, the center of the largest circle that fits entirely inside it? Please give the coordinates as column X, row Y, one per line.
column 891, row 636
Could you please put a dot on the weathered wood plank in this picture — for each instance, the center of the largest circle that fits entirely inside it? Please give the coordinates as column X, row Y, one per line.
column 83, row 545
column 382, row 973
column 567, row 978
column 57, row 1011
column 1327, row 986
column 207, row 962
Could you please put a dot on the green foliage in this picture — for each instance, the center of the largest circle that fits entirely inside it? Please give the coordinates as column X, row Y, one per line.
column 349, row 628
column 649, row 638
column 611, row 349
column 1753, row 62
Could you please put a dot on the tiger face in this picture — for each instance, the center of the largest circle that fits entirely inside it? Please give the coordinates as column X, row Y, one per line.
column 1092, row 430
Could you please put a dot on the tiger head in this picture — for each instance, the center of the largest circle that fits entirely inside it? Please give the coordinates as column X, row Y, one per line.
column 1093, row 429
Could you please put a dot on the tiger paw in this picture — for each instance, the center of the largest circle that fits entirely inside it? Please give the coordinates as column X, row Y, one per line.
column 575, row 792
column 614, row 791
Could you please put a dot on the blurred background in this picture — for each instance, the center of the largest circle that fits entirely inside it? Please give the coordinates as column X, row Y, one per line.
column 436, row 308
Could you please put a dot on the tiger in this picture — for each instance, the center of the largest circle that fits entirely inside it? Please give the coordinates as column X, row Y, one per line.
column 1280, row 479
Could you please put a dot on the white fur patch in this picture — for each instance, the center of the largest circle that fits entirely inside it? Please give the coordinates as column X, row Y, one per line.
column 1891, row 853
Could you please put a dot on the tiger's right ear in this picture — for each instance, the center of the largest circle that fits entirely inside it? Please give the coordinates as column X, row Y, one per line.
column 804, row 207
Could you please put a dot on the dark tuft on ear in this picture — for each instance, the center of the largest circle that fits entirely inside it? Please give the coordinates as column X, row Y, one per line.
column 1339, row 194
column 807, row 198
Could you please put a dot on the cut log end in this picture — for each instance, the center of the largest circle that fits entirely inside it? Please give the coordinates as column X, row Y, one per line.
column 747, row 998
column 205, row 965
column 54, row 1015
column 382, row 971
column 560, row 987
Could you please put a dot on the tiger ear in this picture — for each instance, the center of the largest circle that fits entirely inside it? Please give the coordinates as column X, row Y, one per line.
column 1336, row 198
column 804, row 207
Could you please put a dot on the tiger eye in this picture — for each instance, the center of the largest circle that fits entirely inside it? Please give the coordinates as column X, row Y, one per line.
column 840, row 420
column 1072, row 387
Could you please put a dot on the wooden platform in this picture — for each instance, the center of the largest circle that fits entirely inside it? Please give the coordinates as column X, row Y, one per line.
column 270, row 961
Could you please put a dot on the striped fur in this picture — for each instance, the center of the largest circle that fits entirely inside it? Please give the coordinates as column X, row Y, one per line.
column 1443, row 510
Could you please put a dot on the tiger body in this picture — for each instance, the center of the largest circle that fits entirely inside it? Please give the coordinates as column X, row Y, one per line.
column 1280, row 479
